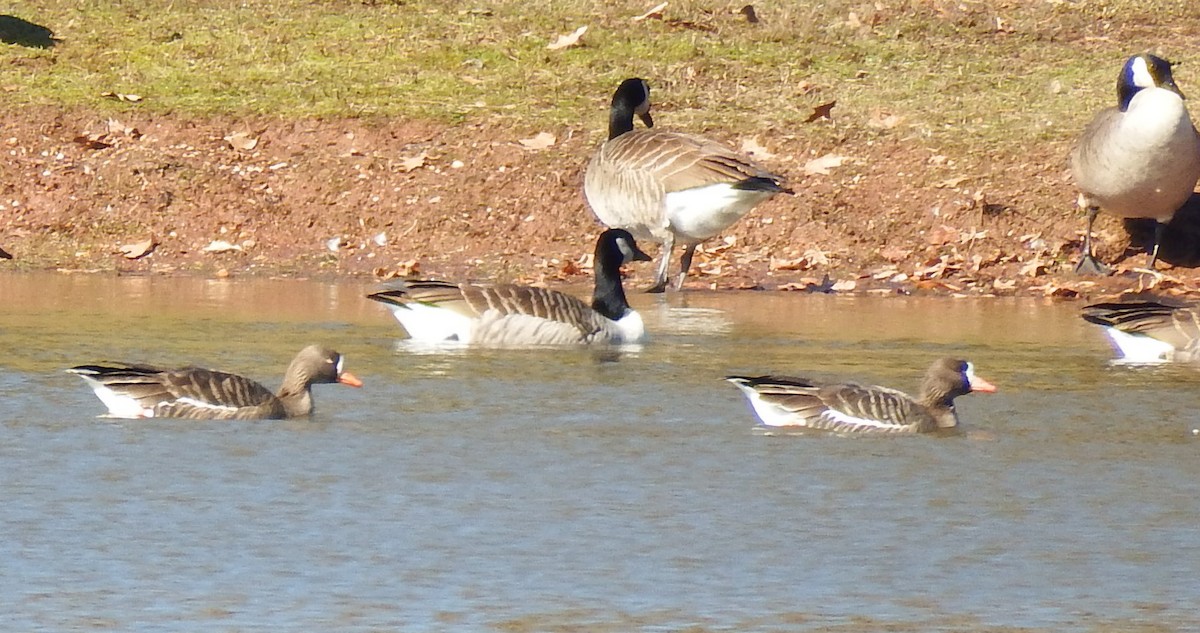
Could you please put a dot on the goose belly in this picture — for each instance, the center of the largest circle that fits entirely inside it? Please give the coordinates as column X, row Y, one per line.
column 699, row 213
column 1148, row 165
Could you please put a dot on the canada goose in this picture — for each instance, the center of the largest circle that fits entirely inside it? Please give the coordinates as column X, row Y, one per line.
column 669, row 187
column 852, row 408
column 511, row 315
column 1148, row 331
column 1140, row 159
column 141, row 391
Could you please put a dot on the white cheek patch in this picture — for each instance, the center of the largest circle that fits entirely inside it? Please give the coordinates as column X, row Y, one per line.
column 1140, row 74
column 338, row 369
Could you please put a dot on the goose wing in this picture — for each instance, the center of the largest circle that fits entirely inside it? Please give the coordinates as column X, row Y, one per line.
column 144, row 391
column 683, row 161
column 843, row 407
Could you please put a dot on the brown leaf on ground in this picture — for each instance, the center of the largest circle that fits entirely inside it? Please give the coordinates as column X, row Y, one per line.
column 93, row 141
column 823, row 111
column 656, row 13
column 753, row 149
column 750, row 13
column 884, row 121
column 241, row 141
column 140, row 249
column 541, row 140
column 569, row 40
column 821, row 166
column 412, row 162
column 128, row 98
column 117, row 128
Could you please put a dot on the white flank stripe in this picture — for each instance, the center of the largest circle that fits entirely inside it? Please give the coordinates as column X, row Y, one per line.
column 1135, row 348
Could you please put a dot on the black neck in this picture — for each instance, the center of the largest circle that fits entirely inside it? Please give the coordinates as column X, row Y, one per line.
column 620, row 120
column 609, row 297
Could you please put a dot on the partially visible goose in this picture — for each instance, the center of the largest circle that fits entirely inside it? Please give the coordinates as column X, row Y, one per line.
column 1140, row 159
column 852, row 408
column 669, row 187
column 511, row 315
column 1148, row 331
column 141, row 391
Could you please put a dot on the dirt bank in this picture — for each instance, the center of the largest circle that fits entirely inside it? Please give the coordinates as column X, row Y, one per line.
column 164, row 194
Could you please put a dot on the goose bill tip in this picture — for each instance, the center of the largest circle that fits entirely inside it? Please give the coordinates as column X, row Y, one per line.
column 981, row 385
column 347, row 378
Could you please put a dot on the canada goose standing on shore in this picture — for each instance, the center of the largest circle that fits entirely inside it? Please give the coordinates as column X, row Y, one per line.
column 512, row 315
column 669, row 187
column 1140, row 159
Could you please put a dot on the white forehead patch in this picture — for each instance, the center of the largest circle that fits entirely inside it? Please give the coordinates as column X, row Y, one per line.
column 1140, row 73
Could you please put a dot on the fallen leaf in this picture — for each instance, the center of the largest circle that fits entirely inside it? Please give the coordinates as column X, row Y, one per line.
column 752, row 148
column 566, row 41
column 116, row 127
column 823, row 164
column 93, row 141
column 220, row 246
column 751, row 15
column 140, row 249
column 413, row 162
column 844, row 285
column 823, row 111
column 884, row 121
column 241, row 141
column 121, row 97
column 655, row 13
column 540, row 141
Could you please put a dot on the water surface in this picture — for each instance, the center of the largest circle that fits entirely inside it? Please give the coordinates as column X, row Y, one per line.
column 534, row 490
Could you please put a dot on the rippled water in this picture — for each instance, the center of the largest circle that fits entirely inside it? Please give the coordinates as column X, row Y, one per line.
column 569, row 490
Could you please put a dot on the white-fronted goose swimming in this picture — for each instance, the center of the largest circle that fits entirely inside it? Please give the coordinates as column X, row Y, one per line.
column 141, row 391
column 1140, row 159
column 513, row 315
column 1148, row 331
column 669, row 187
column 852, row 408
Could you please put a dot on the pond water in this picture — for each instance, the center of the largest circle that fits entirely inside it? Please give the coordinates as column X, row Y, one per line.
column 569, row 490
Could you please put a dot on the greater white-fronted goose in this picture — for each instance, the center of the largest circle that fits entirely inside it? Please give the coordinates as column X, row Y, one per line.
column 1149, row 331
column 852, row 408
column 669, row 187
column 512, row 315
column 142, row 391
column 1140, row 159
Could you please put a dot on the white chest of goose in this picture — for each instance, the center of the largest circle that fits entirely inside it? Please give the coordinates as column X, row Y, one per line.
column 1139, row 159
column 669, row 187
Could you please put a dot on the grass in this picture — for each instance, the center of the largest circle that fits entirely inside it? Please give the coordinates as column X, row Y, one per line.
column 965, row 76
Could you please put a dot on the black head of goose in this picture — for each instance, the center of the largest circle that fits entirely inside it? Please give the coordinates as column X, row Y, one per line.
column 1139, row 159
column 1149, row 331
column 142, row 391
column 669, row 187
column 852, row 408
column 500, row 315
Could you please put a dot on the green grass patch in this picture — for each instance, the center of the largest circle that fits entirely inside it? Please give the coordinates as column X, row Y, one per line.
column 961, row 74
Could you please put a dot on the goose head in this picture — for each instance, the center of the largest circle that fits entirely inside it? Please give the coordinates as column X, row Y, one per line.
column 616, row 247
column 631, row 98
column 947, row 379
column 1141, row 72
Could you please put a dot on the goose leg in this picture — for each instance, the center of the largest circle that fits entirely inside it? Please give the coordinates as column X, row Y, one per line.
column 1159, row 229
column 685, row 264
column 660, row 279
column 1087, row 264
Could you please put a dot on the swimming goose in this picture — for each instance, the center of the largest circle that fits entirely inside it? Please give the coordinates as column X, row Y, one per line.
column 1140, row 159
column 141, row 391
column 852, row 408
column 511, row 315
column 669, row 187
column 1148, row 331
